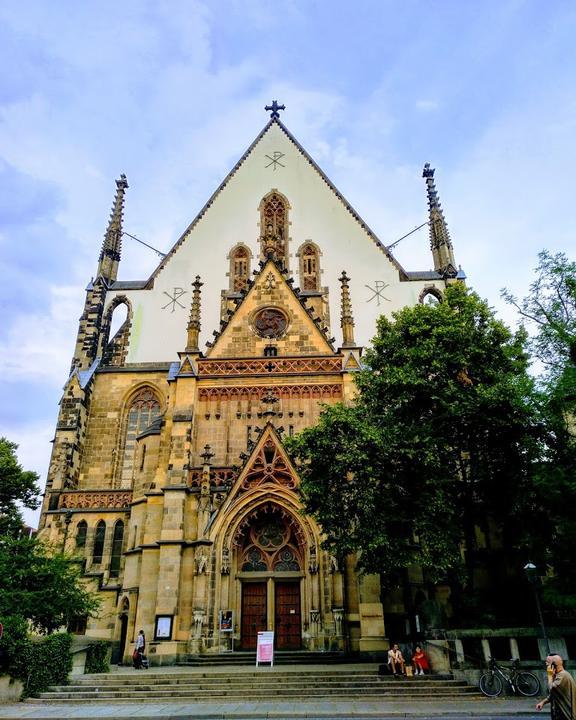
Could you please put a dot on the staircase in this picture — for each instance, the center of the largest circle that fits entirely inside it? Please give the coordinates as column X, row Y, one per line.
column 264, row 683
column 291, row 657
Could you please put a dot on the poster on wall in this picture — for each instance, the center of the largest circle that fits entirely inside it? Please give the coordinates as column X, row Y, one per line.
column 163, row 627
column 265, row 648
column 226, row 621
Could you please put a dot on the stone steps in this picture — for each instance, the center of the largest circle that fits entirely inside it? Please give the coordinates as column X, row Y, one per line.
column 263, row 684
column 290, row 657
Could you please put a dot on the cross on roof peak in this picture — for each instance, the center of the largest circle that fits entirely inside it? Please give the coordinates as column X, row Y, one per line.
column 274, row 109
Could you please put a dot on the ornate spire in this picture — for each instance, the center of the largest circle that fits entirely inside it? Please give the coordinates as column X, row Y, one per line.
column 440, row 242
column 346, row 319
column 112, row 245
column 194, row 322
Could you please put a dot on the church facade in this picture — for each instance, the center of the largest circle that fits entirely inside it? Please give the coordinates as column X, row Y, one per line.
column 168, row 478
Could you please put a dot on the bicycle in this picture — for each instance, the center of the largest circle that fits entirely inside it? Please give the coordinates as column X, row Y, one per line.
column 520, row 681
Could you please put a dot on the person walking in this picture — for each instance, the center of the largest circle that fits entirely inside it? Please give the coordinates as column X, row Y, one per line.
column 139, row 650
column 561, row 690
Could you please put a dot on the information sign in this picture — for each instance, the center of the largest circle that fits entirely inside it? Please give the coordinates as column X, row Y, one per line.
column 265, row 648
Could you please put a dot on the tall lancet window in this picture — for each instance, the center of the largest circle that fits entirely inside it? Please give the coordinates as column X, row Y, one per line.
column 239, row 268
column 274, row 226
column 309, row 267
column 143, row 409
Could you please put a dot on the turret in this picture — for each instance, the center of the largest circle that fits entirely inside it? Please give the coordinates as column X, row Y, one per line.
column 194, row 321
column 346, row 318
column 440, row 243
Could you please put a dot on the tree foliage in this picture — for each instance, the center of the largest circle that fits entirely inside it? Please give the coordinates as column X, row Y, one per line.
column 550, row 312
column 37, row 663
column 441, row 437
column 17, row 487
column 38, row 584
column 41, row 585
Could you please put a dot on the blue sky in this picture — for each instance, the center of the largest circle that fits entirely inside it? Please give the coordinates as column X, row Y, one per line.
column 172, row 93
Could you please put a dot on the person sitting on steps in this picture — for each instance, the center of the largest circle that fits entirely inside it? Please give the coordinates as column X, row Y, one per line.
column 396, row 660
column 420, row 661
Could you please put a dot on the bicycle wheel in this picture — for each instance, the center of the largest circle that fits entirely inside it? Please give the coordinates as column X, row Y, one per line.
column 527, row 684
column 490, row 684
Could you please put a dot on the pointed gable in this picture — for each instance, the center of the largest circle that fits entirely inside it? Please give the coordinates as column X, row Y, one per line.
column 271, row 313
column 282, row 137
column 267, row 467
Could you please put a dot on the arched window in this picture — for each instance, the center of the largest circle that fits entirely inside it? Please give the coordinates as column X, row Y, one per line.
column 116, row 334
column 309, row 267
column 99, row 539
column 271, row 545
column 430, row 296
column 144, row 409
column 116, row 554
column 81, row 532
column 274, row 226
column 239, row 268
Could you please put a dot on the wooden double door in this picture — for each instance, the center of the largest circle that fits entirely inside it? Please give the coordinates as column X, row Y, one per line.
column 286, row 611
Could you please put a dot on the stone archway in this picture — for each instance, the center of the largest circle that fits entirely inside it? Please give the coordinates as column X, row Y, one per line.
column 270, row 550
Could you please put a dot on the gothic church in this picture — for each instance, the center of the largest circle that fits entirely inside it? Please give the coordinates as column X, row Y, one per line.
column 168, row 475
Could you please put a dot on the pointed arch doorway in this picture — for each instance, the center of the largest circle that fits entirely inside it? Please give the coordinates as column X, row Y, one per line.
column 270, row 551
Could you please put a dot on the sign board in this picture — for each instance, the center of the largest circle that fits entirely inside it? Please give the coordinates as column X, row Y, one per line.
column 226, row 621
column 265, row 648
column 163, row 627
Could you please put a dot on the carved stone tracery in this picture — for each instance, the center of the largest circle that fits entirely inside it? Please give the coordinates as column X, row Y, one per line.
column 106, row 499
column 270, row 322
column 270, row 540
column 269, row 466
column 207, row 367
column 287, row 392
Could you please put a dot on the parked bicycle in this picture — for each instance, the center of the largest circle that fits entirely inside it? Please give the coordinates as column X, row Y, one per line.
column 520, row 681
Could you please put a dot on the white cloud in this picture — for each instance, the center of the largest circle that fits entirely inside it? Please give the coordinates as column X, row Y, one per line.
column 427, row 105
column 39, row 346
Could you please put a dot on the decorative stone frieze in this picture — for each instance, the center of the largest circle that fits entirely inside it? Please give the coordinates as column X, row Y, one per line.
column 107, row 499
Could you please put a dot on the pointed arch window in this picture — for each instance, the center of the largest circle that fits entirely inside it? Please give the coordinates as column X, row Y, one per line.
column 239, row 268
column 116, row 554
column 99, row 540
column 81, row 532
column 274, row 226
column 309, row 267
column 117, row 323
column 144, row 408
column 272, row 546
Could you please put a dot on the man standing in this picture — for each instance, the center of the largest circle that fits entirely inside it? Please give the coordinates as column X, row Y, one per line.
column 139, row 650
column 561, row 690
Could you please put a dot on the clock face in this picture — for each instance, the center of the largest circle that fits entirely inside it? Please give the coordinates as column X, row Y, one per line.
column 270, row 322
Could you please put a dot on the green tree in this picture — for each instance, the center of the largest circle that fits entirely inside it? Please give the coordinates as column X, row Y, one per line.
column 441, row 437
column 42, row 586
column 549, row 310
column 18, row 488
column 37, row 584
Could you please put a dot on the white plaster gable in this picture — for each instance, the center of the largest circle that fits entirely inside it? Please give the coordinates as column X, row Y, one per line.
column 317, row 213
